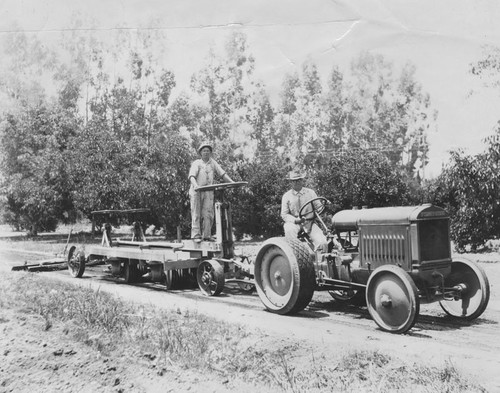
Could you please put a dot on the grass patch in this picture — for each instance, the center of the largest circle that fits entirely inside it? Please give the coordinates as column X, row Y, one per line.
column 189, row 340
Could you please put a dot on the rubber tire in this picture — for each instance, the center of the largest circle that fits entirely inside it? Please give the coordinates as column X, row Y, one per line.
column 210, row 277
column 285, row 260
column 172, row 279
column 76, row 262
column 389, row 281
column 130, row 272
column 462, row 270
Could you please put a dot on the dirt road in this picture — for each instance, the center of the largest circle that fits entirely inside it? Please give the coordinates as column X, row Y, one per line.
column 330, row 327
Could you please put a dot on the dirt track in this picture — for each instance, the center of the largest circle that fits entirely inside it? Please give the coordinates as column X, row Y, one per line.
column 330, row 327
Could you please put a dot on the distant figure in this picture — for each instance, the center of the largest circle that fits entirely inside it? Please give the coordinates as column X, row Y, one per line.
column 291, row 203
column 202, row 203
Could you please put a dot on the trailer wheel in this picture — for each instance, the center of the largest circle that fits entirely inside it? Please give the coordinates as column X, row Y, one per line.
column 475, row 290
column 392, row 299
column 210, row 277
column 171, row 279
column 285, row 277
column 76, row 262
column 130, row 272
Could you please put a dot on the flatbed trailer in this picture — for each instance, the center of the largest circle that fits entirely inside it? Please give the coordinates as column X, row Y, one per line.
column 208, row 263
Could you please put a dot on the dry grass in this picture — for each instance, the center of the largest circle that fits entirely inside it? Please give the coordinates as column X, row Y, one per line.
column 190, row 340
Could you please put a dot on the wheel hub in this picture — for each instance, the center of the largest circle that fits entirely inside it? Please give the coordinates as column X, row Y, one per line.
column 386, row 301
column 207, row 279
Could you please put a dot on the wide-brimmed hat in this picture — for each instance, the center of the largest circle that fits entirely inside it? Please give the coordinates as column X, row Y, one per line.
column 296, row 175
column 205, row 144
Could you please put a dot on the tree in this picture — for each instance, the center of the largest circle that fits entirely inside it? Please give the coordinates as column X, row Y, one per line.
column 469, row 187
column 36, row 183
column 225, row 86
column 370, row 108
column 360, row 178
column 26, row 61
column 256, row 210
column 389, row 113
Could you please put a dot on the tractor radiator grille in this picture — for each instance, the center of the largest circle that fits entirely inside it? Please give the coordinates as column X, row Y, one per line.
column 434, row 240
column 384, row 248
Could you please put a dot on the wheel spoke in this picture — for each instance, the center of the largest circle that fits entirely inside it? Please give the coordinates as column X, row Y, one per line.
column 210, row 277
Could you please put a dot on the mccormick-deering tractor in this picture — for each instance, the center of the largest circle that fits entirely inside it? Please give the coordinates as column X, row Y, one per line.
column 392, row 258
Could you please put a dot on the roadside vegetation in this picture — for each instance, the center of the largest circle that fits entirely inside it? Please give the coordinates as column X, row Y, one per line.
column 189, row 340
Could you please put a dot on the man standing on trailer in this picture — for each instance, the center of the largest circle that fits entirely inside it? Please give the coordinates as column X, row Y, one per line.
column 202, row 203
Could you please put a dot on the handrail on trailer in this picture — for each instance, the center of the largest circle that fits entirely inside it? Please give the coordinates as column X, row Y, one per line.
column 115, row 211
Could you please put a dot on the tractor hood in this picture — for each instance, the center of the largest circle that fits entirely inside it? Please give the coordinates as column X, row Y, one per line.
column 350, row 220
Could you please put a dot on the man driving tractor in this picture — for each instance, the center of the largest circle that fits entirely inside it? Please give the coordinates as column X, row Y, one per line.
column 291, row 203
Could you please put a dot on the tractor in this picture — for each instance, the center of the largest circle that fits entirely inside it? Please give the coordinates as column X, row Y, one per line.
column 389, row 258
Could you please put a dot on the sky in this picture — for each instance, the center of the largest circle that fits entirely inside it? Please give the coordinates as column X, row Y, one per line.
column 442, row 38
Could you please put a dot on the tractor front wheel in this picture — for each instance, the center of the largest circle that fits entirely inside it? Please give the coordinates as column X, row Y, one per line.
column 474, row 292
column 285, row 277
column 392, row 299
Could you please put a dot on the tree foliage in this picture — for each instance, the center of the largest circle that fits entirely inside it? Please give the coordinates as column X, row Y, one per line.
column 36, row 178
column 256, row 211
column 361, row 178
column 115, row 131
column 373, row 107
column 469, row 188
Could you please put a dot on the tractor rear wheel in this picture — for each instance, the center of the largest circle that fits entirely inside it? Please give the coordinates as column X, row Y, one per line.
column 392, row 299
column 76, row 262
column 475, row 293
column 285, row 277
column 210, row 277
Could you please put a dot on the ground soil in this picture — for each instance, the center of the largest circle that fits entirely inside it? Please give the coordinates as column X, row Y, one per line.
column 33, row 358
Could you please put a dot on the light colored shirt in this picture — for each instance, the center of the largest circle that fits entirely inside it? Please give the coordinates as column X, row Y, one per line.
column 204, row 172
column 293, row 200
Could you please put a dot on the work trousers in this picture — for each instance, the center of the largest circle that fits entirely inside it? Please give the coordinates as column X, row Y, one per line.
column 317, row 236
column 202, row 213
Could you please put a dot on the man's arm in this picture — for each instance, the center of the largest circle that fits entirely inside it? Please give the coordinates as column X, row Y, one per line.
column 193, row 172
column 227, row 179
column 286, row 214
column 193, row 181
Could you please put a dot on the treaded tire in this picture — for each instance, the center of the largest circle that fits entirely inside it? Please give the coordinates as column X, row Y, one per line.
column 285, row 277
column 172, row 279
column 130, row 272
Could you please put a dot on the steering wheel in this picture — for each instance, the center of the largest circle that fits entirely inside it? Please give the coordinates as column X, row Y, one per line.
column 316, row 207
